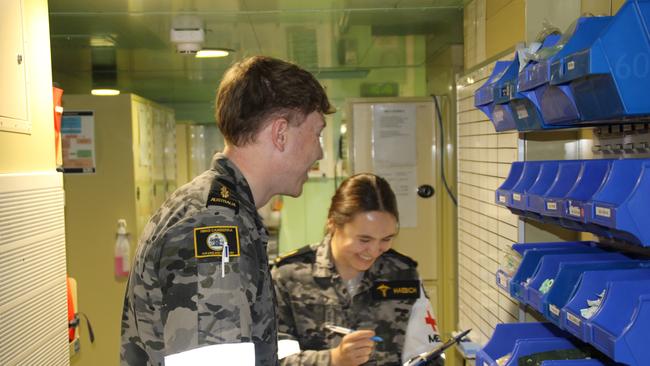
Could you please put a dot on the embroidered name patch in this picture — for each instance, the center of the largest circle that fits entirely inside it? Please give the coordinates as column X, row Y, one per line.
column 395, row 290
column 209, row 241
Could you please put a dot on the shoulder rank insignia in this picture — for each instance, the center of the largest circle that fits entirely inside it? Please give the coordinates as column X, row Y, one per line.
column 210, row 241
column 293, row 253
column 395, row 290
column 222, row 194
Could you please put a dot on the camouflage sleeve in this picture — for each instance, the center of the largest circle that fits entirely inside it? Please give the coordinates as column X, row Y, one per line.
column 287, row 328
column 200, row 305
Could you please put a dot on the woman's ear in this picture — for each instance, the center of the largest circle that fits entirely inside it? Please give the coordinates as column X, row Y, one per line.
column 280, row 133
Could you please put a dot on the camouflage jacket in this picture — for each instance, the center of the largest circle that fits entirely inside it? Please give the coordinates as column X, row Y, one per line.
column 177, row 298
column 311, row 293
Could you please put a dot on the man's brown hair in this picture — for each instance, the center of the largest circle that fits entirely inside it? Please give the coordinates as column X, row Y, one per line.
column 260, row 87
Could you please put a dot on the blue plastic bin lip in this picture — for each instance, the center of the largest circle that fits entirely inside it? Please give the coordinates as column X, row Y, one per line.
column 610, row 193
column 485, row 94
column 577, row 38
column 520, row 247
column 582, row 183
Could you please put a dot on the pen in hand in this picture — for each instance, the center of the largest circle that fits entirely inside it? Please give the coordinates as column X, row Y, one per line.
column 344, row 331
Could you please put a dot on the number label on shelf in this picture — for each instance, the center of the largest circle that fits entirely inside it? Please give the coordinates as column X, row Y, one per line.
column 551, row 206
column 522, row 113
column 516, row 196
column 575, row 211
column 573, row 319
column 553, row 309
column 603, row 212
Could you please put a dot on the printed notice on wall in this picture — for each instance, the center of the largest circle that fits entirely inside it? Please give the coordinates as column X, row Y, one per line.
column 393, row 134
column 394, row 158
column 78, row 141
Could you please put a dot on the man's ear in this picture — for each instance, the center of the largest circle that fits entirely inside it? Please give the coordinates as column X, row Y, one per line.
column 280, row 133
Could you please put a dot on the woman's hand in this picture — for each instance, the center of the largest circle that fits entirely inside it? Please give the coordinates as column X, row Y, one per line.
column 354, row 349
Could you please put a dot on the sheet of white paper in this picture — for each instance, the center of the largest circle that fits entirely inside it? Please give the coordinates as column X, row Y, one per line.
column 403, row 181
column 393, row 134
column 241, row 354
column 287, row 347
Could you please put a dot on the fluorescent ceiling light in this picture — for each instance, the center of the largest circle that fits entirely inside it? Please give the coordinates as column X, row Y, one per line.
column 105, row 92
column 212, row 53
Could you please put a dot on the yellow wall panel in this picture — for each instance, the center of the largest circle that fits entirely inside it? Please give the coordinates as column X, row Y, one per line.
column 505, row 28
column 596, row 7
column 492, row 7
column 616, row 4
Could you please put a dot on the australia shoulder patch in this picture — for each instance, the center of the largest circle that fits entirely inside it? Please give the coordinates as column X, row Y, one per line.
column 396, row 290
column 222, row 195
column 210, row 241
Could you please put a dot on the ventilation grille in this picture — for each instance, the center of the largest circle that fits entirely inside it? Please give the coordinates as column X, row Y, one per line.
column 33, row 307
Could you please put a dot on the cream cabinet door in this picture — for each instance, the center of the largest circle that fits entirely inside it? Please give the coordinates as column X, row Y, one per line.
column 13, row 104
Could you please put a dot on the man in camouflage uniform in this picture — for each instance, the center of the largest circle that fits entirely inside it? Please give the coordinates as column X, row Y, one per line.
column 311, row 294
column 200, row 274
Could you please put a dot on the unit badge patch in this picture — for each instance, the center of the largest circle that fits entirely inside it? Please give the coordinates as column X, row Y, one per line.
column 209, row 241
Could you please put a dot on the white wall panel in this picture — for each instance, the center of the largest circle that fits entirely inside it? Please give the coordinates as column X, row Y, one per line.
column 33, row 307
column 485, row 230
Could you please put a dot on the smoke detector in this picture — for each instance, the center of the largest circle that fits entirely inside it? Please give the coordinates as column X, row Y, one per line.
column 187, row 33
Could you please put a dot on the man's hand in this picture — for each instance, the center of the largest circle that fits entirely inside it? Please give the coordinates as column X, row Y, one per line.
column 354, row 349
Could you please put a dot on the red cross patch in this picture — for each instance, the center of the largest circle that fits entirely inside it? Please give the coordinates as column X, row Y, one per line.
column 431, row 321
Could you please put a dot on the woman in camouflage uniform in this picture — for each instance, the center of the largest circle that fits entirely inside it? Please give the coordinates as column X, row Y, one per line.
column 354, row 280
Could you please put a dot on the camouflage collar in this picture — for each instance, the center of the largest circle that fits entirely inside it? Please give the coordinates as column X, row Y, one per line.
column 229, row 172
column 324, row 265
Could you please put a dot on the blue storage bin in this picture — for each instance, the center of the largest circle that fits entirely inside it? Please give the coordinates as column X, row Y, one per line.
column 568, row 174
column 531, row 260
column 525, row 347
column 591, row 284
column 575, row 203
column 534, row 201
column 621, row 327
column 484, row 96
column 557, row 102
column 519, row 191
column 548, row 268
column 568, row 279
column 504, row 89
column 504, row 192
column 525, row 105
column 505, row 338
column 503, row 279
column 608, row 78
column 622, row 203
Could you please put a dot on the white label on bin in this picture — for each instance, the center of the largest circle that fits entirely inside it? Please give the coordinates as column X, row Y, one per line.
column 498, row 116
column 570, row 65
column 553, row 309
column 522, row 113
column 603, row 211
column 573, row 319
column 516, row 196
column 575, row 211
column 551, row 206
column 502, row 199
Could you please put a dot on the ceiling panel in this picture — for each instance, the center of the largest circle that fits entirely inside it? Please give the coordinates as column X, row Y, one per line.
column 148, row 64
